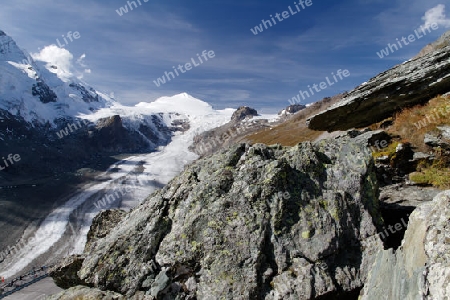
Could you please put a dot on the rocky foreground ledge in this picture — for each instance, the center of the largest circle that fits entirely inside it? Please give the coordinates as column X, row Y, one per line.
column 265, row 222
column 252, row 222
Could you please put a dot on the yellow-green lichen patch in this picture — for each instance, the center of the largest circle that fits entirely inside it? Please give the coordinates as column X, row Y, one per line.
column 306, row 234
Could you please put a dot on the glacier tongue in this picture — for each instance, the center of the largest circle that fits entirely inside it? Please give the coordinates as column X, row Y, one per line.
column 143, row 173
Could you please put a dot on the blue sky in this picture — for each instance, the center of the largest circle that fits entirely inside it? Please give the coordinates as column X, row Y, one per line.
column 125, row 54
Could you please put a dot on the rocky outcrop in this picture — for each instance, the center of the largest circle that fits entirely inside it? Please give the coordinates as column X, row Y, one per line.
column 376, row 138
column 102, row 225
column 413, row 82
column 394, row 167
column 406, row 196
column 41, row 89
column 442, row 42
column 440, row 137
column 292, row 109
column 242, row 113
column 87, row 95
column 85, row 293
column 397, row 202
column 252, row 222
column 65, row 273
column 113, row 134
column 110, row 135
column 226, row 135
column 421, row 268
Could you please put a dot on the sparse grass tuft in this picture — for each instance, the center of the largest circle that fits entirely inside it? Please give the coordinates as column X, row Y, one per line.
column 413, row 123
column 438, row 175
column 295, row 130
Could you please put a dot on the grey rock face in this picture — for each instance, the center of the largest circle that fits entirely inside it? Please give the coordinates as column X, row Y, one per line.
column 438, row 138
column 292, row 109
column 85, row 293
column 102, row 225
column 376, row 138
column 242, row 112
column 407, row 196
column 410, row 83
column 421, row 268
column 442, row 42
column 252, row 222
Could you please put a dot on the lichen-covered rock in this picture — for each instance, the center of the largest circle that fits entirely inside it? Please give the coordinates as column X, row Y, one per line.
column 102, row 225
column 65, row 272
column 252, row 222
column 420, row 269
column 85, row 293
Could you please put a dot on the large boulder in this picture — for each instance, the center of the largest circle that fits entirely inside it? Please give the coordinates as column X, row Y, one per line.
column 413, row 82
column 420, row 269
column 252, row 222
column 65, row 272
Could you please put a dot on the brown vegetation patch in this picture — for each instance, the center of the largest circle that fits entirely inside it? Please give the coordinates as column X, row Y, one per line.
column 295, row 130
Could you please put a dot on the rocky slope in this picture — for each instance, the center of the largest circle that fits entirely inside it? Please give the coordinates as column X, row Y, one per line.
column 253, row 222
column 413, row 82
column 244, row 122
column 442, row 42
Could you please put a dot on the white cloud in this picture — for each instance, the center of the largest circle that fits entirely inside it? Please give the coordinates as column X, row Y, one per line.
column 436, row 15
column 81, row 59
column 60, row 61
column 56, row 57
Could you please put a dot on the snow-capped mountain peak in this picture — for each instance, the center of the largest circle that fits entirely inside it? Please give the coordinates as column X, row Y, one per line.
column 9, row 51
column 40, row 91
column 181, row 103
